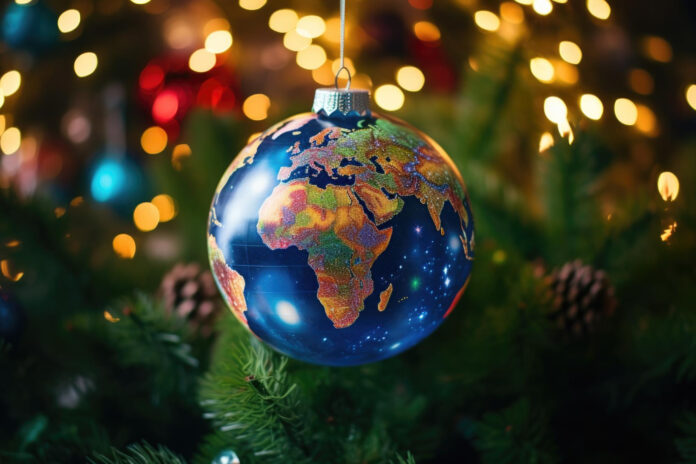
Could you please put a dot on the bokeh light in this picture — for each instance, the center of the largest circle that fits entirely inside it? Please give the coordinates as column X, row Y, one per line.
column 323, row 74
column 218, row 41
column 165, row 106
column 487, row 20
column 542, row 7
column 591, row 106
column 124, row 246
column 153, row 140
column 641, row 81
column 10, row 140
column 347, row 62
column 166, row 207
column 565, row 73
column 525, row 2
column 180, row 152
column 10, row 82
column 85, row 64
column 658, row 49
column 256, row 106
column 108, row 180
column 555, row 110
column 311, row 57
column 542, row 69
column 668, row 186
column 410, row 78
column 252, row 4
column 389, row 97
column 68, row 20
column 146, row 216
column 333, row 30
column 511, row 13
column 646, row 121
column 570, row 52
column 295, row 42
column 140, row 2
column 600, row 9
column 691, row 96
column 545, row 141
column 311, row 26
column 283, row 20
column 426, row 31
column 625, row 111
column 201, row 60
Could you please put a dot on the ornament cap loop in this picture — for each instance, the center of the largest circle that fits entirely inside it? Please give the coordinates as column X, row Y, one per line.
column 342, row 102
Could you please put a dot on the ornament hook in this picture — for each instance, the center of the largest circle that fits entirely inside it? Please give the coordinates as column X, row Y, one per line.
column 342, row 47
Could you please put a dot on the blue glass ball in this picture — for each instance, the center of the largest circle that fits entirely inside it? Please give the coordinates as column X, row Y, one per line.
column 341, row 240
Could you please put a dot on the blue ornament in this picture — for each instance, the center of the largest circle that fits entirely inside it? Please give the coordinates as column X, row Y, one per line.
column 11, row 318
column 341, row 237
column 226, row 457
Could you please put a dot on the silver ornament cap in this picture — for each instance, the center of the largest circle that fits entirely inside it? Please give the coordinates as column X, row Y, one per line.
column 342, row 102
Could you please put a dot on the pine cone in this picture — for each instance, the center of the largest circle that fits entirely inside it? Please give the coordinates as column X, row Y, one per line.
column 582, row 296
column 189, row 292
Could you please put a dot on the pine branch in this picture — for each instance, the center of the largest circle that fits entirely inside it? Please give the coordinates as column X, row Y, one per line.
column 686, row 445
column 139, row 454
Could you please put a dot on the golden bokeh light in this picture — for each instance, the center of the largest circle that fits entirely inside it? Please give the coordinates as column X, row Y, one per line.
column 664, row 236
column 646, row 121
column 311, row 57
column 215, row 24
column 625, row 111
column 565, row 73
column 347, row 62
column 68, row 20
column 85, row 64
column 2, row 99
column 511, row 13
column 256, row 106
column 153, row 140
column 201, row 60
column 110, row 317
column 545, row 142
column 525, row 2
column 283, row 20
column 591, row 106
column 8, row 272
column 668, row 186
column 252, row 4
column 600, row 9
column 180, row 152
column 124, row 246
column 166, row 207
column 311, row 26
column 323, row 75
column 10, row 140
column 542, row 69
column 570, row 52
column 218, row 41
column 658, row 49
column 295, row 42
column 389, row 97
column 426, row 31
column 542, row 7
column 3, row 122
column 487, row 20
column 410, row 78
column 146, row 216
column 555, row 110
column 140, row 2
column 641, row 81
column 23, row 2
column 10, row 82
column 333, row 30
column 691, row 96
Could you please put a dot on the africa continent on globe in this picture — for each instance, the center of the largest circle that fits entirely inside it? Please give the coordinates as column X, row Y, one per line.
column 341, row 240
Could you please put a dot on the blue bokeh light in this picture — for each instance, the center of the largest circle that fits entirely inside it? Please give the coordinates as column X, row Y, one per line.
column 108, row 180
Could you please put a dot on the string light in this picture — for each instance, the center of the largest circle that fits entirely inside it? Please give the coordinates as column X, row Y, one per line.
column 591, row 106
column 389, row 97
column 146, row 216
column 426, row 31
column 668, row 186
column 311, row 57
column 555, row 110
column 542, row 7
column 85, row 64
column 311, row 26
column 256, row 106
column 600, row 9
column 625, row 111
column 10, row 82
column 218, row 41
column 691, row 96
column 201, row 60
column 410, row 78
column 542, row 69
column 487, row 20
column 283, row 20
column 166, row 207
column 296, row 42
column 252, row 4
column 124, row 246
column 545, row 142
column 10, row 140
column 68, row 20
column 570, row 52
column 153, row 140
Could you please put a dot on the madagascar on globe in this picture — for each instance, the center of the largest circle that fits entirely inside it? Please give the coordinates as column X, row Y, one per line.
column 341, row 236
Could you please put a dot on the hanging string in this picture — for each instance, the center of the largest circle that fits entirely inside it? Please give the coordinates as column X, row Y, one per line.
column 342, row 46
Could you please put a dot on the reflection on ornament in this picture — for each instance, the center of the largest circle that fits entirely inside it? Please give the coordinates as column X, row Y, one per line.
column 226, row 457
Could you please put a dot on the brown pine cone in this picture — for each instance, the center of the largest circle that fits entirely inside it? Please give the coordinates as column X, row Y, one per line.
column 581, row 297
column 189, row 292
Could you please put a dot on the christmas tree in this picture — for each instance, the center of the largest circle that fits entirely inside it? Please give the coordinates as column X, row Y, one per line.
column 571, row 123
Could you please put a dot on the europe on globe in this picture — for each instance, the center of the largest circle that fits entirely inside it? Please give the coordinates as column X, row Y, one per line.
column 341, row 237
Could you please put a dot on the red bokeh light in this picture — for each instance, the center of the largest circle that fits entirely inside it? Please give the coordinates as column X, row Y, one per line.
column 165, row 106
column 151, row 77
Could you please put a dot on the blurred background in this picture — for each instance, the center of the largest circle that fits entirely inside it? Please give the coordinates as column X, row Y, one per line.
column 572, row 122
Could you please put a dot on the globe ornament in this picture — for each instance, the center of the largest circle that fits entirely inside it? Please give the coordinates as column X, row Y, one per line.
column 342, row 236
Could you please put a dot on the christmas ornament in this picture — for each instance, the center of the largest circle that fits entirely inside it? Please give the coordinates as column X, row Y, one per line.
column 226, row 457
column 11, row 318
column 189, row 292
column 582, row 296
column 341, row 236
